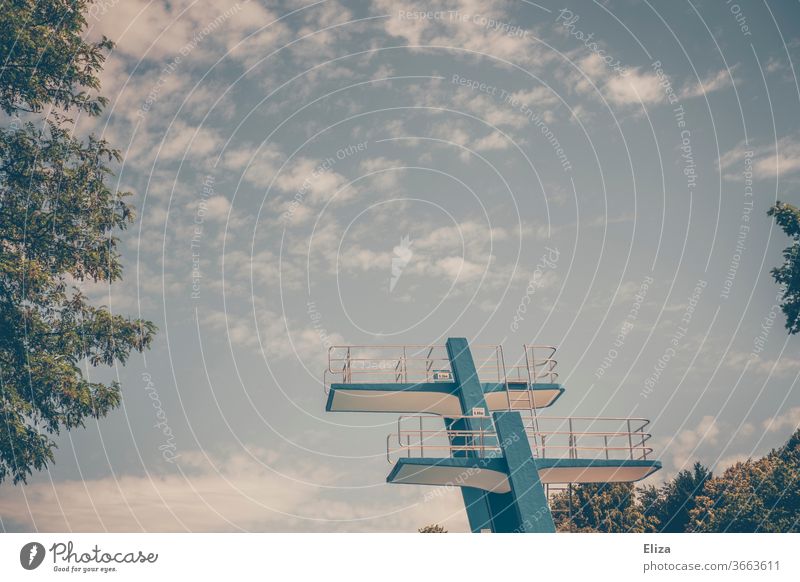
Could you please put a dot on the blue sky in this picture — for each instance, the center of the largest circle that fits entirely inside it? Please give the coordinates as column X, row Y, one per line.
column 612, row 161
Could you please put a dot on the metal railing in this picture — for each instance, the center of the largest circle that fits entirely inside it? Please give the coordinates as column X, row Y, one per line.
column 417, row 363
column 577, row 437
column 587, row 437
column 426, row 440
column 541, row 363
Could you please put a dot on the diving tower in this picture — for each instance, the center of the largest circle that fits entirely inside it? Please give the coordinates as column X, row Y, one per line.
column 468, row 420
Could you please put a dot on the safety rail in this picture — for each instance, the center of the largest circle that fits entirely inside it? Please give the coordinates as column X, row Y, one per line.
column 417, row 363
column 586, row 436
column 440, row 442
column 541, row 363
column 577, row 437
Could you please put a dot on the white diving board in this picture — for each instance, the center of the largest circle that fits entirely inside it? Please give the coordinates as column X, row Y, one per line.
column 489, row 474
column 434, row 397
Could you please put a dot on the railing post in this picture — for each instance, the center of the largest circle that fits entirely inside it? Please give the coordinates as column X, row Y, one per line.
column 605, row 442
column 630, row 439
column 421, row 450
column 572, row 451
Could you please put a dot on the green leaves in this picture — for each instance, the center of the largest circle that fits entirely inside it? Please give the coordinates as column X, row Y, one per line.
column 754, row 496
column 58, row 225
column 601, row 507
column 46, row 61
column 788, row 274
column 760, row 495
column 672, row 504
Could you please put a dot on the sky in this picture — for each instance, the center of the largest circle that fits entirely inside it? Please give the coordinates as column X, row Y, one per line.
column 591, row 175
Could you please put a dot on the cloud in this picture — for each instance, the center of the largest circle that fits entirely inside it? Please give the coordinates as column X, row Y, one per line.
column 193, row 29
column 313, row 181
column 782, row 366
column 193, row 142
column 279, row 336
column 788, row 422
column 485, row 28
column 459, row 269
column 720, row 80
column 635, row 87
column 683, row 447
column 217, row 208
column 781, row 159
column 768, row 161
column 241, row 490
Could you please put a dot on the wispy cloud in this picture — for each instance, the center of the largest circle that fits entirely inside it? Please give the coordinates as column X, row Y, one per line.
column 714, row 82
column 252, row 490
column 768, row 161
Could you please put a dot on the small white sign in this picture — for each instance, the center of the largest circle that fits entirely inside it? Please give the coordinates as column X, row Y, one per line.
column 442, row 376
column 479, row 411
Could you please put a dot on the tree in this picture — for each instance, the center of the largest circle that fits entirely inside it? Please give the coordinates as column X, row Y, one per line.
column 58, row 219
column 788, row 274
column 45, row 60
column 433, row 528
column 754, row 496
column 672, row 503
column 600, row 507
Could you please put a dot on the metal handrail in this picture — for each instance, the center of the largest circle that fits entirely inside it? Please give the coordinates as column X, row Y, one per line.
column 542, row 367
column 394, row 363
column 483, row 441
column 420, row 362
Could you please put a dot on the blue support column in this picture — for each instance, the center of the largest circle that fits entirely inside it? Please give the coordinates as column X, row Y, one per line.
column 528, row 499
column 470, row 394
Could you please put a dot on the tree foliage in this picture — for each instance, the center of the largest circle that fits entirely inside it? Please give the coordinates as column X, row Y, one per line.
column 671, row 504
column 45, row 61
column 760, row 495
column 601, row 507
column 58, row 219
column 433, row 528
column 788, row 274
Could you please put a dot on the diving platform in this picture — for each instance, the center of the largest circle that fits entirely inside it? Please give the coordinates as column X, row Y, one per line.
column 491, row 474
column 578, row 449
column 419, row 378
column 470, row 419
column 435, row 397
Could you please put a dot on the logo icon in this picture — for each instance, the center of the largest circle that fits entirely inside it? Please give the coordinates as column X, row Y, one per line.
column 402, row 255
column 31, row 555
